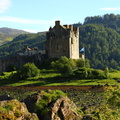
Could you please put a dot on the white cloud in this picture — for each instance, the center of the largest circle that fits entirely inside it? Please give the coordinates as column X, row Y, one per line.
column 31, row 30
column 110, row 9
column 4, row 5
column 24, row 21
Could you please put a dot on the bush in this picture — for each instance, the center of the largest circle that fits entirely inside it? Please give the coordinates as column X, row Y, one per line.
column 89, row 73
column 29, row 70
column 97, row 74
column 64, row 66
column 81, row 62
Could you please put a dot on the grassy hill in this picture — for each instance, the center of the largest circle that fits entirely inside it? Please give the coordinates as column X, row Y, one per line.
column 7, row 34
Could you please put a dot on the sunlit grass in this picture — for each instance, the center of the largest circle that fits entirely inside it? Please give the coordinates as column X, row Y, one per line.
column 52, row 78
column 85, row 82
column 115, row 74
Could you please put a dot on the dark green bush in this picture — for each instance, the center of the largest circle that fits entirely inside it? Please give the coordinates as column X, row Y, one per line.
column 89, row 73
column 98, row 74
column 29, row 70
column 64, row 66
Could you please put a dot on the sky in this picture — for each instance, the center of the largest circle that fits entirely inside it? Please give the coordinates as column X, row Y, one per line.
column 39, row 15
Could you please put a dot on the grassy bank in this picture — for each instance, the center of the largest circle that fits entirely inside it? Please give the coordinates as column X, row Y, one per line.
column 52, row 78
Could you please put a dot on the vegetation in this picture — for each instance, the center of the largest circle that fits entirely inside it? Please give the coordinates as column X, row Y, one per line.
column 99, row 105
column 29, row 70
column 7, row 34
column 64, row 66
column 18, row 43
column 72, row 75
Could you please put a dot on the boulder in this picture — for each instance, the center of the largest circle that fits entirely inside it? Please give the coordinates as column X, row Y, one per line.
column 15, row 110
column 64, row 109
column 61, row 108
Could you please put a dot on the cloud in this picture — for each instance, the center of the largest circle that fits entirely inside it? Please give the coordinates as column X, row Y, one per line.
column 4, row 5
column 31, row 30
column 29, row 21
column 24, row 21
column 110, row 9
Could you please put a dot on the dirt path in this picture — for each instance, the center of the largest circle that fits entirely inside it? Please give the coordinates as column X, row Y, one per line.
column 52, row 87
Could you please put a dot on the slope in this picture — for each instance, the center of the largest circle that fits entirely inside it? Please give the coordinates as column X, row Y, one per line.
column 7, row 34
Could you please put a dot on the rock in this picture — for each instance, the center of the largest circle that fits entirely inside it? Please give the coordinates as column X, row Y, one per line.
column 5, row 97
column 60, row 109
column 64, row 109
column 15, row 110
column 30, row 101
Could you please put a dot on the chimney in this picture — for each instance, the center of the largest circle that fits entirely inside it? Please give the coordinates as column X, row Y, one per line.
column 57, row 23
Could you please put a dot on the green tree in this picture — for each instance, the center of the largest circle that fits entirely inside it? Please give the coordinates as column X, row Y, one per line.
column 81, row 62
column 64, row 65
column 29, row 70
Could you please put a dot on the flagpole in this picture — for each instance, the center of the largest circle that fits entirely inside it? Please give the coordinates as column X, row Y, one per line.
column 84, row 57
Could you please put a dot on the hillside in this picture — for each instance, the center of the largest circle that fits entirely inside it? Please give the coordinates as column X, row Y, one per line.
column 18, row 43
column 7, row 34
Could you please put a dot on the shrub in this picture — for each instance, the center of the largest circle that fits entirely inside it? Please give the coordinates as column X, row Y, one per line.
column 97, row 74
column 89, row 73
column 29, row 70
column 81, row 62
column 64, row 66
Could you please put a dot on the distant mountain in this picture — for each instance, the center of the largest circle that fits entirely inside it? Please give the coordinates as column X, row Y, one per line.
column 18, row 43
column 7, row 34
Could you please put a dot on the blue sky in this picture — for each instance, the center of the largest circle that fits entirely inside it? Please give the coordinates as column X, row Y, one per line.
column 39, row 15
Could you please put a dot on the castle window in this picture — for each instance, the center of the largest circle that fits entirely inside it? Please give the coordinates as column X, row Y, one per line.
column 71, row 41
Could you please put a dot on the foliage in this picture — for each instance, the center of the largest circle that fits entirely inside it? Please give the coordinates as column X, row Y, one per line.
column 82, row 63
column 100, row 35
column 29, row 70
column 89, row 73
column 64, row 66
column 11, row 68
column 106, row 72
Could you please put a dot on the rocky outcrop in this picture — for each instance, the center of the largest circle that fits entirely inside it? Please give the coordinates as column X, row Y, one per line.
column 15, row 110
column 44, row 105
column 60, row 109
column 64, row 109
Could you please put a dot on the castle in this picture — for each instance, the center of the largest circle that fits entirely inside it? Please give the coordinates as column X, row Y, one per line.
column 62, row 41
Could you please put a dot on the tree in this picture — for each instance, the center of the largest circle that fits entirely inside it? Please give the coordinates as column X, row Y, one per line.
column 64, row 66
column 29, row 70
column 81, row 62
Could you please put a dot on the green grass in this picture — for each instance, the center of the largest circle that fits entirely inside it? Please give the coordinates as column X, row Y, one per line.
column 115, row 74
column 52, row 78
column 85, row 82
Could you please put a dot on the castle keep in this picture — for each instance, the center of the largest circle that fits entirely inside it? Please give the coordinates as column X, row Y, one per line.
column 62, row 41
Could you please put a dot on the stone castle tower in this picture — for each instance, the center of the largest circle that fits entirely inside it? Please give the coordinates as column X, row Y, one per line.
column 62, row 41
